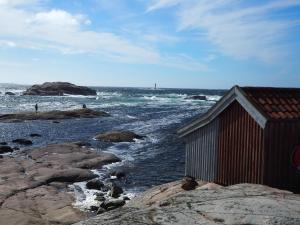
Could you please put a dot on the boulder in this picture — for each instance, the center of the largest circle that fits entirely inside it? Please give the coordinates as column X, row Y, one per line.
column 10, row 93
column 3, row 143
column 94, row 208
column 189, row 183
column 94, row 184
column 59, row 88
column 197, row 97
column 100, row 198
column 115, row 191
column 5, row 149
column 112, row 204
column 118, row 136
column 52, row 115
column 35, row 135
column 22, row 141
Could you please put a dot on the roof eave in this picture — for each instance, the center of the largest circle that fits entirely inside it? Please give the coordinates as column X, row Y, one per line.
column 234, row 93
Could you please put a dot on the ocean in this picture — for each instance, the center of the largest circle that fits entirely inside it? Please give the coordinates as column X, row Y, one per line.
column 155, row 114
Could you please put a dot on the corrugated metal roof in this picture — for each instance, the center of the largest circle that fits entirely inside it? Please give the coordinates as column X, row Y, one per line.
column 275, row 103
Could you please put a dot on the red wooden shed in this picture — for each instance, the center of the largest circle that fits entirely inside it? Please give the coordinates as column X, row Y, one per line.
column 252, row 135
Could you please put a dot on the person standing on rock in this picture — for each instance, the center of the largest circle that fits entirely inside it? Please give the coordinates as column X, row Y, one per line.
column 36, row 108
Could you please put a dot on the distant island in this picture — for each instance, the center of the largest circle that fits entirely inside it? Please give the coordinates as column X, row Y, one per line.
column 58, row 89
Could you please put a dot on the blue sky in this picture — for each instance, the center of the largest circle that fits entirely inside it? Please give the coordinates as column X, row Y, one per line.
column 175, row 43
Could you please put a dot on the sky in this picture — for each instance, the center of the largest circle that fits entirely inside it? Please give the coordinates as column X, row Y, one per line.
column 135, row 43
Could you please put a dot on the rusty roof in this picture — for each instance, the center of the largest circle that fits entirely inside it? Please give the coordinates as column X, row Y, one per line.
column 275, row 103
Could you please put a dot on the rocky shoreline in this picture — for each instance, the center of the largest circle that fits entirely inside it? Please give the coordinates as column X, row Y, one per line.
column 52, row 115
column 208, row 204
column 34, row 183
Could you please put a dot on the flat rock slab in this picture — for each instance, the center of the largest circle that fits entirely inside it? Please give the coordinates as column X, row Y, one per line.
column 52, row 115
column 118, row 136
column 33, row 184
column 208, row 204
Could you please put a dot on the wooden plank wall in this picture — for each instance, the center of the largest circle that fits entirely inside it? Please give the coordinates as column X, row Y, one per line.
column 240, row 155
column 201, row 152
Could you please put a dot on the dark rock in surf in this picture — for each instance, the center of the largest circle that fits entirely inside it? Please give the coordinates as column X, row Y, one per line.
column 58, row 89
column 5, row 149
column 35, row 135
column 22, row 141
column 10, row 93
column 94, row 184
column 118, row 136
column 197, row 97
column 3, row 143
column 115, row 191
column 112, row 204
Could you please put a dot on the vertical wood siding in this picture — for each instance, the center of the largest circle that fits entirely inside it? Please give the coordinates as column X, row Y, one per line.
column 201, row 152
column 280, row 142
column 240, row 153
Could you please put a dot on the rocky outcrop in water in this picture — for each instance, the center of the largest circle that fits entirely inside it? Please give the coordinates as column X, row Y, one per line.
column 118, row 136
column 5, row 149
column 207, row 204
column 10, row 93
column 197, row 97
column 58, row 88
column 52, row 115
column 34, row 184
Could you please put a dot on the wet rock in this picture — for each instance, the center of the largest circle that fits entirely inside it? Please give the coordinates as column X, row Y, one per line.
column 100, row 198
column 55, row 122
column 59, row 88
column 118, row 136
column 22, row 141
column 35, row 135
column 126, row 198
column 16, row 148
column 94, row 208
column 115, row 191
column 197, row 97
column 5, row 149
column 94, row 184
column 52, row 115
column 112, row 204
column 189, row 183
column 10, row 93
column 100, row 211
column 3, row 143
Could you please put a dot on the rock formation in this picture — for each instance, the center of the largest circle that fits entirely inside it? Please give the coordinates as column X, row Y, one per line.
column 34, row 184
column 207, row 204
column 52, row 115
column 118, row 136
column 58, row 88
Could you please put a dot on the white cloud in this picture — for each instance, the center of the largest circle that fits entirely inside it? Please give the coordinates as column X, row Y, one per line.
column 69, row 33
column 236, row 29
